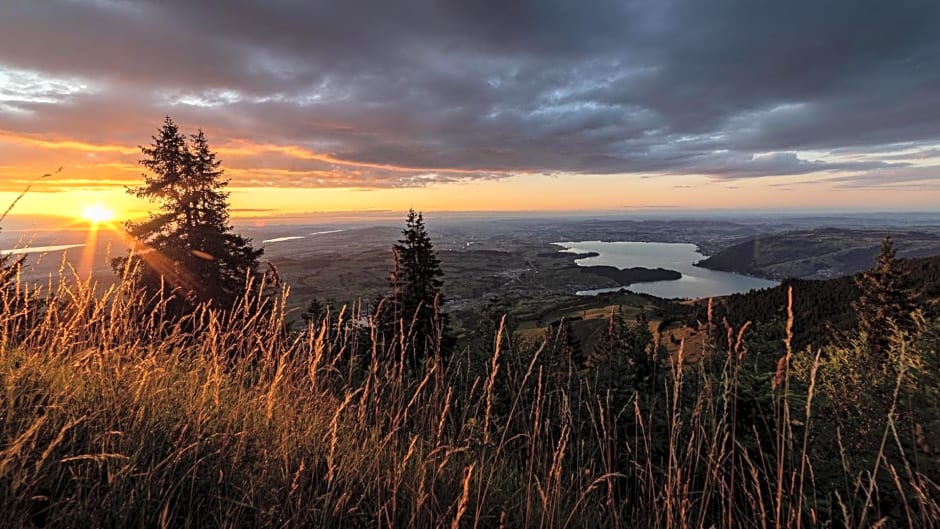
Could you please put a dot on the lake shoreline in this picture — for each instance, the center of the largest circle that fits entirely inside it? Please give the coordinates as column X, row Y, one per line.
column 755, row 276
column 693, row 281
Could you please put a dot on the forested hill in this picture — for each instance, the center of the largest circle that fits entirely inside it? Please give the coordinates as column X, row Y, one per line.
column 817, row 254
column 821, row 307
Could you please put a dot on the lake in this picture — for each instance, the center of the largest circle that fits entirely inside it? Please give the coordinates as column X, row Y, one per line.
column 695, row 282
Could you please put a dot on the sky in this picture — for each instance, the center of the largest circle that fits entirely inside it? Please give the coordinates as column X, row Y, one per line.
column 348, row 105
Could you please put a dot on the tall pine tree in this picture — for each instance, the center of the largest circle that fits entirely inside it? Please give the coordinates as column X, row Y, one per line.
column 885, row 301
column 416, row 289
column 187, row 249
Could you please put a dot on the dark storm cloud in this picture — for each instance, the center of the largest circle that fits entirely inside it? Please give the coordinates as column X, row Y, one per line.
column 409, row 92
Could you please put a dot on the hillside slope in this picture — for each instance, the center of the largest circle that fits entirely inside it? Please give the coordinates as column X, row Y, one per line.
column 817, row 254
column 821, row 306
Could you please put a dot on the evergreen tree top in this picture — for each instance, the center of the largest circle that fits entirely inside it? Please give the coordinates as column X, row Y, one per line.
column 885, row 299
column 196, row 250
column 416, row 282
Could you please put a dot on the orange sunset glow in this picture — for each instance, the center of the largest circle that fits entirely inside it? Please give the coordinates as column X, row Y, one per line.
column 604, row 128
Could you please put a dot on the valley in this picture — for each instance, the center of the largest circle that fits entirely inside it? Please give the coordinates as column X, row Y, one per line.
column 515, row 263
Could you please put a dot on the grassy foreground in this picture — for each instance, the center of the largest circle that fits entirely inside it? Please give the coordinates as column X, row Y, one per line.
column 111, row 417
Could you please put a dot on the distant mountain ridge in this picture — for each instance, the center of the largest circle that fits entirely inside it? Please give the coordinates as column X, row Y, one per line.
column 817, row 254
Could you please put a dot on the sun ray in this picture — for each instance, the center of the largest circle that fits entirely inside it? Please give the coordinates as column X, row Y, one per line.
column 97, row 215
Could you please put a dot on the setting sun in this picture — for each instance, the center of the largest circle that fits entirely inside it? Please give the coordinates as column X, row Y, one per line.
column 97, row 213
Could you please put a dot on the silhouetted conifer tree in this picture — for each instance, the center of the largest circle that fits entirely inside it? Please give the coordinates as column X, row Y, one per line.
column 565, row 345
column 884, row 301
column 482, row 332
column 416, row 283
column 315, row 312
column 624, row 355
column 187, row 248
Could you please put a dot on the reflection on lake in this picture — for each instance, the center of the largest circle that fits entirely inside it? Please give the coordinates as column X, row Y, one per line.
column 39, row 249
column 295, row 237
column 695, row 282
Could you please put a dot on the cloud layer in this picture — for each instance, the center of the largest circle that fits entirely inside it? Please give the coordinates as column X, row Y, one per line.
column 390, row 94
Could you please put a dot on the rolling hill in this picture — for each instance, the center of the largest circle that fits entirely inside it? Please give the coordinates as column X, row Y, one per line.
column 817, row 254
column 821, row 307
